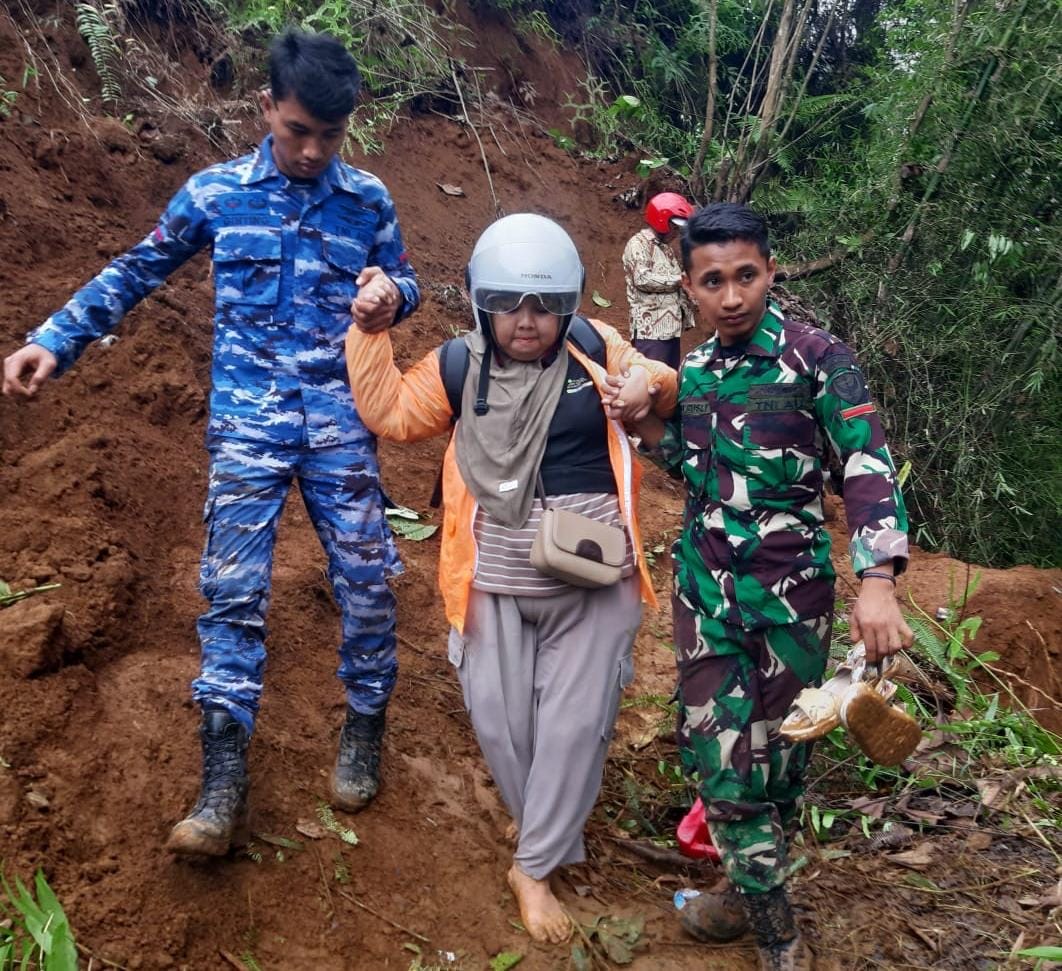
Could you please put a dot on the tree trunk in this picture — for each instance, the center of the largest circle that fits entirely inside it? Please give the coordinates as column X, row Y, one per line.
column 745, row 170
column 722, row 177
column 709, row 111
column 807, row 76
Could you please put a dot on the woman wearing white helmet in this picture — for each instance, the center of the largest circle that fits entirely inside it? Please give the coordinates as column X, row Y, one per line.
column 538, row 471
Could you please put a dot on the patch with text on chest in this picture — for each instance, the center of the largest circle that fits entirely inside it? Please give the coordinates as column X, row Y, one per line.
column 769, row 398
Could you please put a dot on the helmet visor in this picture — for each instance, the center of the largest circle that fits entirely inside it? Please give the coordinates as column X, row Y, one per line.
column 494, row 301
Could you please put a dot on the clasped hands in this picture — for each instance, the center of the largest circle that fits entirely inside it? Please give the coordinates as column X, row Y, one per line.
column 377, row 302
column 630, row 395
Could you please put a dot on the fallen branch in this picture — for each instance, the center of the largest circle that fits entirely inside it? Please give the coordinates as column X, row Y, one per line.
column 972, row 888
column 324, row 883
column 1000, row 672
column 797, row 271
column 387, row 920
column 95, row 957
column 479, row 141
column 595, row 958
column 656, row 854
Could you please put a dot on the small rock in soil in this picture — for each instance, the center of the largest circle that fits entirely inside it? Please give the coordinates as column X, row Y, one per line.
column 38, row 800
column 31, row 638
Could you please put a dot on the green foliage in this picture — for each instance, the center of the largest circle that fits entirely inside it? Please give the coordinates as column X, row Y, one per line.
column 35, row 933
column 957, row 329
column 1046, row 953
column 96, row 24
column 923, row 138
column 536, row 23
column 333, row 825
column 561, row 140
column 985, row 731
column 649, row 165
column 602, row 113
column 401, row 47
column 7, row 98
column 608, row 939
column 657, row 54
column 505, row 960
column 407, row 524
column 9, row 596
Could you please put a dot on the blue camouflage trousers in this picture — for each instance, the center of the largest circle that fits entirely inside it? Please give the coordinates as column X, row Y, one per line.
column 340, row 487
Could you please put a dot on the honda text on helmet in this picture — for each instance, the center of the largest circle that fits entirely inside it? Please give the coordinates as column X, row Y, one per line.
column 524, row 255
column 667, row 210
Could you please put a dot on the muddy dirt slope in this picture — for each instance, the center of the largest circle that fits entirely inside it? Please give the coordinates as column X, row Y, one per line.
column 102, row 484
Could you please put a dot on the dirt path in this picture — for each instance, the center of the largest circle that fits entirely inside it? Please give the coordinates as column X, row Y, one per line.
column 103, row 481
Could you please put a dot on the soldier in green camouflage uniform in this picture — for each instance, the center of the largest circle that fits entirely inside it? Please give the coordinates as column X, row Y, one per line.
column 754, row 586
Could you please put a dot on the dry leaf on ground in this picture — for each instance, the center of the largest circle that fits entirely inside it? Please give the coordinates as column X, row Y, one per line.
column 921, row 856
column 311, row 829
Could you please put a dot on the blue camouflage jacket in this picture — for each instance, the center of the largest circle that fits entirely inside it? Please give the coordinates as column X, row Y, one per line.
column 286, row 256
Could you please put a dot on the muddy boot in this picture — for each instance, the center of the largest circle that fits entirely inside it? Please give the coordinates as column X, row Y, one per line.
column 220, row 817
column 356, row 776
column 778, row 941
column 716, row 915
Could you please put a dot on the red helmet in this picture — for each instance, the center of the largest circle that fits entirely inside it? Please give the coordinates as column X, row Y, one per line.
column 665, row 207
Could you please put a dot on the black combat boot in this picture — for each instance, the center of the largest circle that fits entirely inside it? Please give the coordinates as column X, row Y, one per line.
column 220, row 816
column 715, row 915
column 356, row 777
column 778, row 941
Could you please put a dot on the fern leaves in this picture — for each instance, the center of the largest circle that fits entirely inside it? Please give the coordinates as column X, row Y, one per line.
column 96, row 26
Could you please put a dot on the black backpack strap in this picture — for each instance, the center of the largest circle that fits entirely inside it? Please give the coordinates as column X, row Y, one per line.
column 453, row 369
column 453, row 366
column 584, row 335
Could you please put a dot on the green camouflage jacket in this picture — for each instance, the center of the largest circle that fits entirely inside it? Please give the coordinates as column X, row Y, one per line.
column 749, row 438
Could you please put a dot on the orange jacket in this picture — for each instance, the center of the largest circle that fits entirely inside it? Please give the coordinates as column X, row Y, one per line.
column 412, row 406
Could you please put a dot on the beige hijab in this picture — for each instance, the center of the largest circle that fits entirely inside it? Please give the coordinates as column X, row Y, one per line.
column 499, row 453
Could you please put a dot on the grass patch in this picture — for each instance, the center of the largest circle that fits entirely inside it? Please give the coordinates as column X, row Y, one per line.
column 35, row 932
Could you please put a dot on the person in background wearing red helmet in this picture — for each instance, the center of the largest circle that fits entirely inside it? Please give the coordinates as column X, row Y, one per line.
column 660, row 309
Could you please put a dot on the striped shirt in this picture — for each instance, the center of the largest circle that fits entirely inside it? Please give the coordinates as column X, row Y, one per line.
column 504, row 562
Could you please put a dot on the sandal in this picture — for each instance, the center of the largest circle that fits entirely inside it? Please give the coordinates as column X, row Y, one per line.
column 816, row 712
column 886, row 734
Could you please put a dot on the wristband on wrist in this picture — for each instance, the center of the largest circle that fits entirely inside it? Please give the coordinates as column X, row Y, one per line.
column 880, row 574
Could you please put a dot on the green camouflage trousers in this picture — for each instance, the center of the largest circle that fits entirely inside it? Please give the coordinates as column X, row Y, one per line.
column 734, row 689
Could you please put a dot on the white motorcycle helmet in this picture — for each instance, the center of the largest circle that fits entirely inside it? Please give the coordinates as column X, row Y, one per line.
column 520, row 255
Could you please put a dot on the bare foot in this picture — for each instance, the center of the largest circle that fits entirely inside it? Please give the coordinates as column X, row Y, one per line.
column 540, row 911
column 512, row 832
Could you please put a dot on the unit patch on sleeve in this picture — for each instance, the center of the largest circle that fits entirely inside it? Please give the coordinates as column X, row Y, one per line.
column 864, row 409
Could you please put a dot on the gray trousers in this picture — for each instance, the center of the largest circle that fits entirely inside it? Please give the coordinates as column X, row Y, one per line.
column 542, row 678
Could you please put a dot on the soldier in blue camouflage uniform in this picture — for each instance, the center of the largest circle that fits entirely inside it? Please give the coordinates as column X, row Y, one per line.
column 754, row 587
column 300, row 241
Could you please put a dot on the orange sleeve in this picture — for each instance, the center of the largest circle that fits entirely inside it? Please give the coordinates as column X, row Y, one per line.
column 620, row 356
column 400, row 407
